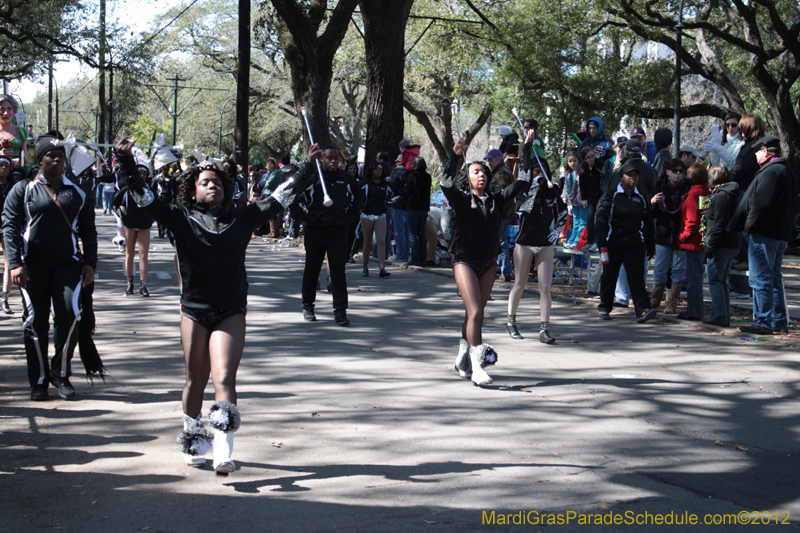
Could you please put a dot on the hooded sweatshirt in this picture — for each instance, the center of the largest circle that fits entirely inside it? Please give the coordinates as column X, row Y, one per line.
column 724, row 200
column 663, row 139
column 601, row 143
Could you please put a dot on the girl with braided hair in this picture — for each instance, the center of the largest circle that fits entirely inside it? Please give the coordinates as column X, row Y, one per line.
column 476, row 244
column 211, row 237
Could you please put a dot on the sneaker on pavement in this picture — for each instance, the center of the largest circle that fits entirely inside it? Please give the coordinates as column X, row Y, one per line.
column 309, row 316
column 617, row 303
column 755, row 329
column 383, row 273
column 340, row 318
column 39, row 393
column 64, row 387
column 603, row 314
column 646, row 315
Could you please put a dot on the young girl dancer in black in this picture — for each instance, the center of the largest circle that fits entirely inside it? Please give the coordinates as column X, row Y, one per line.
column 541, row 218
column 476, row 244
column 211, row 237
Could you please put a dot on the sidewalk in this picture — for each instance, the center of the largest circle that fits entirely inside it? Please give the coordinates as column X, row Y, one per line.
column 369, row 428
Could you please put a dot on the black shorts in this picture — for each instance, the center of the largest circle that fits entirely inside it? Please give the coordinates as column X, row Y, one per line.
column 480, row 267
column 210, row 319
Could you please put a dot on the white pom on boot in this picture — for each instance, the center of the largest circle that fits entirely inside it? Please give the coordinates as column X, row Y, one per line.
column 194, row 440
column 480, row 357
column 462, row 360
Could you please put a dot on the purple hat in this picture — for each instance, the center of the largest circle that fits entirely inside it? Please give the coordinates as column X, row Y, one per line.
column 494, row 152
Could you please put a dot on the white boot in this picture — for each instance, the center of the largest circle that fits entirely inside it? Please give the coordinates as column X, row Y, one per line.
column 224, row 417
column 223, row 447
column 481, row 356
column 462, row 360
column 194, row 440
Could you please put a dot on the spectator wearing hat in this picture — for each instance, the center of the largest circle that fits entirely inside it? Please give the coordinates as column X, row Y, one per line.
column 766, row 213
column 510, row 143
column 646, row 185
column 598, row 140
column 408, row 152
column 648, row 147
column 502, row 178
column 625, row 227
column 689, row 155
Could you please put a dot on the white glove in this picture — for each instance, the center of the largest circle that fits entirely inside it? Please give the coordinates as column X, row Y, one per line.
column 716, row 134
column 553, row 237
column 710, row 146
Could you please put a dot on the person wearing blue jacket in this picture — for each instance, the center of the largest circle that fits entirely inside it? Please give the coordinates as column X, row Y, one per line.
column 598, row 140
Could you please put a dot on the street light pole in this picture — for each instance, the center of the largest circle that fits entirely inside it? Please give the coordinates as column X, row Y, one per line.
column 219, row 137
column 676, row 145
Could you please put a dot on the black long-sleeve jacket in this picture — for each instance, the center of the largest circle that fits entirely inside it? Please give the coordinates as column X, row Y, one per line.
column 624, row 220
column 343, row 189
column 542, row 212
column 477, row 229
column 211, row 249
column 35, row 231
column 374, row 197
column 718, row 215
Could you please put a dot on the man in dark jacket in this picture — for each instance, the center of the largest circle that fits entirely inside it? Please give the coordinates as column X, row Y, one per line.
column 326, row 231
column 766, row 213
column 597, row 140
column 624, row 226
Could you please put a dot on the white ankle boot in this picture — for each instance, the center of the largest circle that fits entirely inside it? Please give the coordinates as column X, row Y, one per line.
column 462, row 360
column 480, row 357
column 194, row 440
column 224, row 417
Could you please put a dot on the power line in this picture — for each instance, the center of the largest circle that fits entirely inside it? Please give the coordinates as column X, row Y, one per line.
column 179, row 15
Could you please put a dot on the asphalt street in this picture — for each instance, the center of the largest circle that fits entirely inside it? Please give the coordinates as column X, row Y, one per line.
column 369, row 428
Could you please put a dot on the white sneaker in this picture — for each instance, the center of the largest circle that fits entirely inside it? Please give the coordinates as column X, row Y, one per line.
column 223, row 447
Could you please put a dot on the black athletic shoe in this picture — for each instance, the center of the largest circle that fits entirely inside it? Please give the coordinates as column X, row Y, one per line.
column 340, row 318
column 545, row 337
column 603, row 314
column 129, row 290
column 6, row 309
column 365, row 271
column 383, row 273
column 309, row 316
column 39, row 393
column 64, row 387
column 143, row 291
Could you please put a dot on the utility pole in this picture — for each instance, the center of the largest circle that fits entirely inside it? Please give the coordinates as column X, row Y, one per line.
column 110, row 102
column 676, row 125
column 101, row 60
column 243, row 87
column 173, row 111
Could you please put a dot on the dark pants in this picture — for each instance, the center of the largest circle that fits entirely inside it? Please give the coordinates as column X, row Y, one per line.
column 318, row 241
column 633, row 259
column 417, row 243
column 590, row 233
column 44, row 285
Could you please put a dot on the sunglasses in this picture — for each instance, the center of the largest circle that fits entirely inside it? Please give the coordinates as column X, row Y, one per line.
column 675, row 170
column 731, row 124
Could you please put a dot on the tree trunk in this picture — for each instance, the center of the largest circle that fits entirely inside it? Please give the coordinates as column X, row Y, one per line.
column 384, row 38
column 310, row 56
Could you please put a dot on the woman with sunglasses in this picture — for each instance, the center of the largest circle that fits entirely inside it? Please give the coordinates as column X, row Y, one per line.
column 666, row 204
column 725, row 151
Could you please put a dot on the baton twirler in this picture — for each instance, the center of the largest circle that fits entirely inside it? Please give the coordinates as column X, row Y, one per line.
column 327, row 202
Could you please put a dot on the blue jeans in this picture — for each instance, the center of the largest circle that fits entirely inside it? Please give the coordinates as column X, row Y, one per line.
column 667, row 257
column 694, row 283
column 579, row 217
column 418, row 244
column 718, row 268
column 504, row 258
column 107, row 197
column 400, row 223
column 765, row 256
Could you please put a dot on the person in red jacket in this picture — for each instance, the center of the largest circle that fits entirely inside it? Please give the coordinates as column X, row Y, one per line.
column 690, row 240
column 408, row 152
